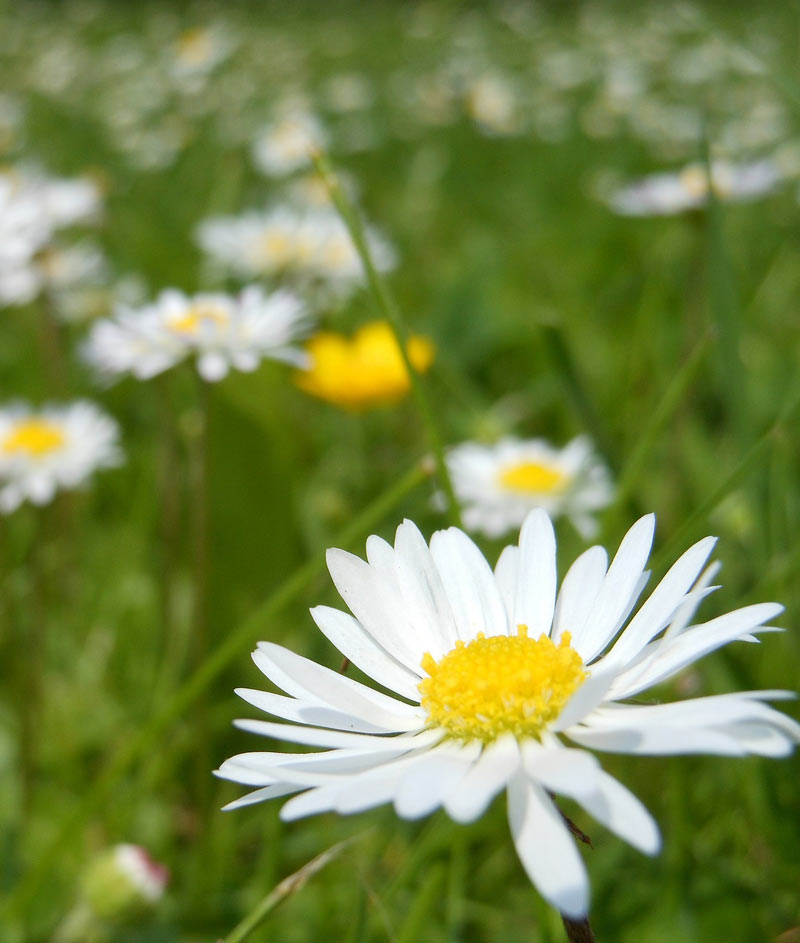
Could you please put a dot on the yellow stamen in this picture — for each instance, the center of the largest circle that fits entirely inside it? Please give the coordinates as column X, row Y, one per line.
column 34, row 437
column 501, row 684
column 198, row 316
column 532, row 478
column 365, row 371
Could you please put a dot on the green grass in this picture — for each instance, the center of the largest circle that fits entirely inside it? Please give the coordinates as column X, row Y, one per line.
column 672, row 342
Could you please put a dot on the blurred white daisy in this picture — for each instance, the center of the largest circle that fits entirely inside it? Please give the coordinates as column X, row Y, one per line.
column 665, row 194
column 498, row 668
column 220, row 332
column 52, row 448
column 498, row 484
column 310, row 246
column 286, row 144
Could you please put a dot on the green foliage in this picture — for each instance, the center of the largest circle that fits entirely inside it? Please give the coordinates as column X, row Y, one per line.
column 673, row 342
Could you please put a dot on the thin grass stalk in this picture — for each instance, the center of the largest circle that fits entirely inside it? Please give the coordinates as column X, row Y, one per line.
column 199, row 637
column 51, row 347
column 660, row 417
column 287, row 888
column 390, row 310
column 246, row 633
column 737, row 474
column 567, row 372
column 168, row 508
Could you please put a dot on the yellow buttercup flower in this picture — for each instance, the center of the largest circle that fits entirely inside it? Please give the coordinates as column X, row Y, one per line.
column 363, row 371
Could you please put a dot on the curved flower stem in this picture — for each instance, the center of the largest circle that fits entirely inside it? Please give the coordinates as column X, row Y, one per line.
column 392, row 313
column 231, row 648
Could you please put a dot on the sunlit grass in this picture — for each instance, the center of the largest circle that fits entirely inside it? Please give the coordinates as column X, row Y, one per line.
column 671, row 342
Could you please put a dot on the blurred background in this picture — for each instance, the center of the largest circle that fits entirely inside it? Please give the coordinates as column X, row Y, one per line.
column 497, row 150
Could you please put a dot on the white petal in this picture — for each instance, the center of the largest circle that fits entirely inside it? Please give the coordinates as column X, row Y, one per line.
column 313, row 736
column 579, row 590
column 357, row 645
column 671, row 655
column 469, row 584
column 618, row 591
column 546, row 849
column 309, row 681
column 663, row 602
column 376, row 602
column 423, row 787
column 212, row 367
column 620, row 811
column 483, row 781
column 311, row 802
column 591, row 693
column 535, row 597
column 426, row 606
column 561, row 769
column 289, row 708
column 657, row 741
column 261, row 795
column 506, row 574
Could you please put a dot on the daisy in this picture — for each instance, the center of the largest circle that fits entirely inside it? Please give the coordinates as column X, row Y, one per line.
column 58, row 446
column 491, row 672
column 219, row 331
column 309, row 247
column 665, row 194
column 498, row 484
column 363, row 371
column 287, row 143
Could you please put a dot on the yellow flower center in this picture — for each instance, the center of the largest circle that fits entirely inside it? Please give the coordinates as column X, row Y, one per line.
column 194, row 46
column 365, row 371
column 276, row 249
column 199, row 316
column 34, row 437
column 501, row 684
column 532, row 478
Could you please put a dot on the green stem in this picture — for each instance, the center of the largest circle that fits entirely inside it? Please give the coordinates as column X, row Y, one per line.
column 227, row 651
column 287, row 887
column 391, row 312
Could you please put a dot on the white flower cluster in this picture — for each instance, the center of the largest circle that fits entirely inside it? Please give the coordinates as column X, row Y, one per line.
column 57, row 446
column 219, row 331
column 33, row 207
column 310, row 247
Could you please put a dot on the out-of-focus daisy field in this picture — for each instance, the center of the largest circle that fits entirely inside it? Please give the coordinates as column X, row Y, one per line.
column 584, row 221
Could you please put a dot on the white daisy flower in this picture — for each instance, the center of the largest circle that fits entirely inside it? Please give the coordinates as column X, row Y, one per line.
column 665, row 194
column 219, row 331
column 57, row 446
column 309, row 246
column 499, row 484
column 287, row 143
column 491, row 672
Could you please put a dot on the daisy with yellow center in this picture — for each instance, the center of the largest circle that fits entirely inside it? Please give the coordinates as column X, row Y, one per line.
column 363, row 371
column 491, row 671
column 497, row 485
column 219, row 332
column 43, row 451
column 664, row 194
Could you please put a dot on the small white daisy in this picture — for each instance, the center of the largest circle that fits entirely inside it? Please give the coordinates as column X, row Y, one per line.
column 219, row 331
column 287, row 143
column 57, row 446
column 499, row 484
column 492, row 670
column 311, row 247
column 665, row 194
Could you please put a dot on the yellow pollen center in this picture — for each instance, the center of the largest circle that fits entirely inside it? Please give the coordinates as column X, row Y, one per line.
column 532, row 478
column 199, row 316
column 501, row 684
column 34, row 437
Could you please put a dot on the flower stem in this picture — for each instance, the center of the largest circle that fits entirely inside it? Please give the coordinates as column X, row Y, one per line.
column 391, row 312
column 578, row 931
column 231, row 648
